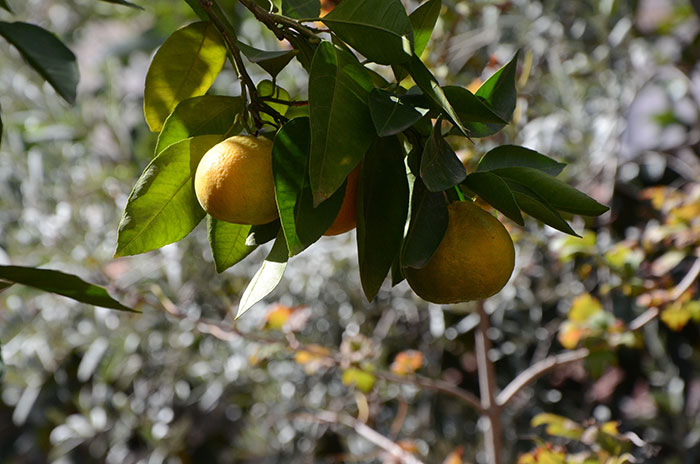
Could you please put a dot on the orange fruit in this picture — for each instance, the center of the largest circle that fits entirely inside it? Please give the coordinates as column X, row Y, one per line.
column 474, row 260
column 234, row 182
column 347, row 215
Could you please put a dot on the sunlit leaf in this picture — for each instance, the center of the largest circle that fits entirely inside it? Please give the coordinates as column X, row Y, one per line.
column 227, row 242
column 46, row 54
column 267, row 89
column 184, row 66
column 676, row 316
column 583, row 307
column 62, row 284
column 423, row 21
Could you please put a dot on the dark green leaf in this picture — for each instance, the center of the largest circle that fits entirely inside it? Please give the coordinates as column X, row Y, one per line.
column 271, row 61
column 341, row 126
column 301, row 9
column 500, row 94
column 390, row 114
column 495, row 192
column 197, row 8
column 3, row 4
column 227, row 242
column 46, row 54
column 305, row 49
column 423, row 20
column 533, row 204
column 509, row 156
column 559, row 194
column 5, row 285
column 185, row 66
column 472, row 111
column 263, row 233
column 125, row 3
column 62, row 284
column 267, row 89
column 203, row 115
column 431, row 88
column 440, row 168
column 379, row 29
column 396, row 272
column 302, row 223
column 268, row 276
column 427, row 226
column 163, row 207
column 382, row 206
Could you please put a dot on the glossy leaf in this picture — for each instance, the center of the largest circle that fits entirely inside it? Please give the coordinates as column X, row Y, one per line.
column 559, row 194
column 431, row 88
column 271, row 61
column 533, row 204
column 301, row 9
column 500, row 94
column 440, row 168
column 382, row 206
column 124, row 3
column 427, row 226
column 378, row 29
column 203, row 115
column 62, row 284
column 423, row 21
column 341, row 126
column 391, row 114
column 163, row 207
column 301, row 222
column 495, row 191
column 46, row 54
column 184, row 66
column 474, row 113
column 509, row 156
column 268, row 276
column 227, row 242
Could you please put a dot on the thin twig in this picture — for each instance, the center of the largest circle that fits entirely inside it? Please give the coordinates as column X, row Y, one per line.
column 285, row 102
column 364, row 431
column 536, row 371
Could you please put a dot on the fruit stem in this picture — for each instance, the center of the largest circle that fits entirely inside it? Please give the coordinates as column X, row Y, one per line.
column 460, row 194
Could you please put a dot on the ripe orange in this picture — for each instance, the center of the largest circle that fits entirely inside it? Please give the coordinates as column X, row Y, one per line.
column 474, row 260
column 347, row 216
column 234, row 181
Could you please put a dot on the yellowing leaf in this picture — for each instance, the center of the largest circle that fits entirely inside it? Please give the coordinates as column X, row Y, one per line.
column 407, row 362
column 583, row 307
column 570, row 335
column 455, row 457
column 362, row 380
column 277, row 316
column 558, row 426
column 185, row 66
column 676, row 316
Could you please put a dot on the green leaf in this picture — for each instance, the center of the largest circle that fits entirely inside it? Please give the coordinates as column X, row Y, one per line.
column 301, row 222
column 509, row 156
column 396, row 272
column 185, row 66
column 440, row 168
column 341, row 125
column 391, row 114
column 268, row 276
column 362, row 380
column 163, row 207
column 558, row 426
column 495, row 191
column 262, row 233
column 46, row 54
column 62, row 284
column 559, row 194
column 3, row 4
column 267, row 88
column 500, row 94
column 271, row 61
column 197, row 8
column 306, row 51
column 379, row 29
column 203, row 115
column 227, row 242
column 431, row 88
column 382, row 206
column 423, row 21
column 427, row 226
column 537, row 207
column 5, row 285
column 472, row 111
column 301, row 9
column 125, row 3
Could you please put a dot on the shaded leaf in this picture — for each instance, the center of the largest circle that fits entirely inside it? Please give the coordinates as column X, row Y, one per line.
column 4, row 5
column 440, row 168
column 537, row 207
column 301, row 9
column 227, row 242
column 197, row 8
column 508, row 156
column 382, row 206
column 46, row 54
column 184, row 66
column 271, row 61
column 423, row 21
column 379, row 29
column 341, row 126
column 391, row 114
column 472, row 111
column 62, row 284
column 495, row 191
column 301, row 222
column 203, row 115
column 262, row 233
column 163, row 207
column 427, row 227
column 500, row 94
column 268, row 276
column 267, row 88
column 125, row 3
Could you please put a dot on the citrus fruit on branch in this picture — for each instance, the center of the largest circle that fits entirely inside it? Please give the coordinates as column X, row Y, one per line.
column 234, row 181
column 474, row 260
column 347, row 216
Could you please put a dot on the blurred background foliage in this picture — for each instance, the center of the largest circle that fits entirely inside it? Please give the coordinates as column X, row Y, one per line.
column 611, row 87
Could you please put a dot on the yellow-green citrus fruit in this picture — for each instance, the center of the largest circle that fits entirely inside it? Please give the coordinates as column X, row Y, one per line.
column 234, row 181
column 347, row 215
column 474, row 260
